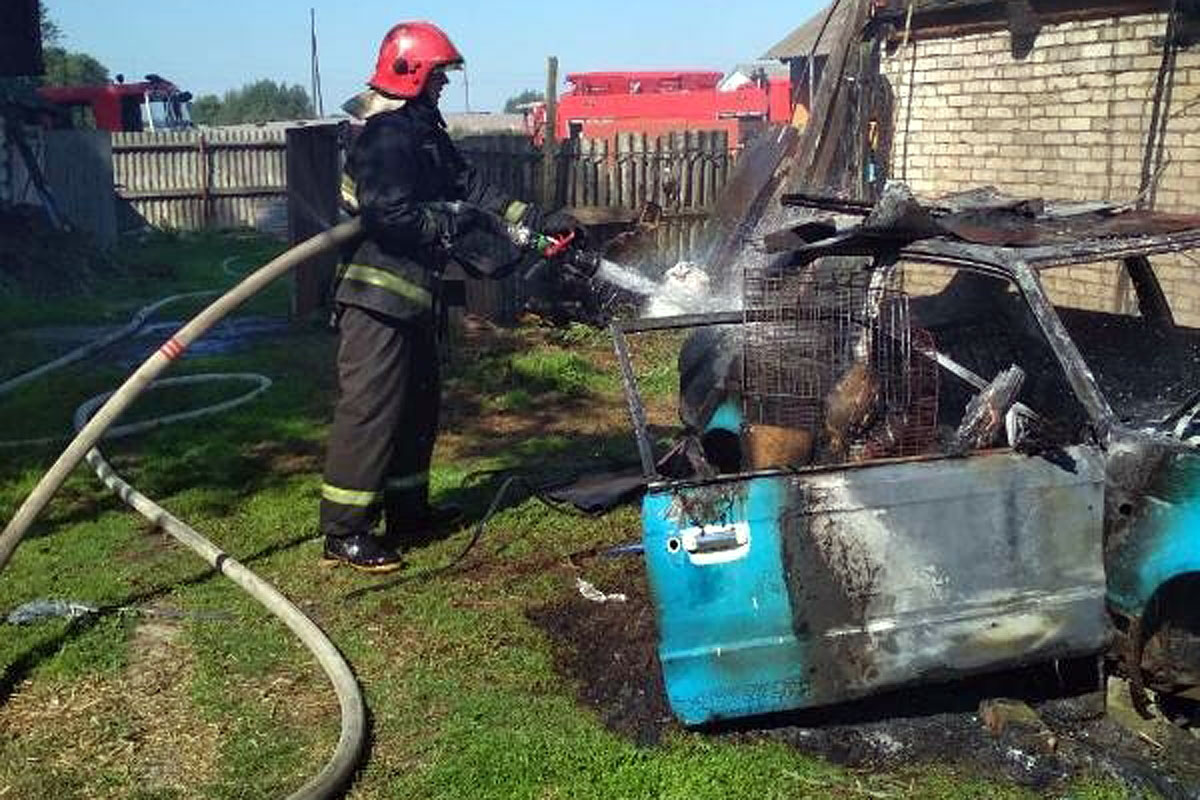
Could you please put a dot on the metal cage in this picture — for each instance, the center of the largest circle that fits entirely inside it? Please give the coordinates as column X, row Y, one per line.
column 832, row 352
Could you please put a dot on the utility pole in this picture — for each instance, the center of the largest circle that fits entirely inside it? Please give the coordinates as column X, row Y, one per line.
column 315, row 66
column 549, row 140
column 466, row 90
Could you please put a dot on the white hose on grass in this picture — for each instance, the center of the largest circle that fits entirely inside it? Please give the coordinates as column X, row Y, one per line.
column 262, row 383
column 338, row 770
column 131, row 327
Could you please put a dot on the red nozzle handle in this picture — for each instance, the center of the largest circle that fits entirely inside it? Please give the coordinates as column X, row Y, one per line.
column 558, row 244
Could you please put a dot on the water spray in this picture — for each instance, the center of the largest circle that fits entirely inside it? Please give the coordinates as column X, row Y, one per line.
column 563, row 252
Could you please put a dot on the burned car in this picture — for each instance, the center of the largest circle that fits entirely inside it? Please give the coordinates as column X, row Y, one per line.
column 928, row 450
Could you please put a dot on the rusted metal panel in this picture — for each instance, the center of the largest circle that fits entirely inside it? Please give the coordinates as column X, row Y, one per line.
column 932, row 569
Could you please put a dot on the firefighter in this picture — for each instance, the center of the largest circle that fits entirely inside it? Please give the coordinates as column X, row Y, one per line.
column 420, row 204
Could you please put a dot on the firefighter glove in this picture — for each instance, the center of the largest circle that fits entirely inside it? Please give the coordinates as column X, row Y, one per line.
column 477, row 239
column 560, row 223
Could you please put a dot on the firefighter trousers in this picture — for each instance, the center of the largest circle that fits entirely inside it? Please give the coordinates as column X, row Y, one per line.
column 384, row 423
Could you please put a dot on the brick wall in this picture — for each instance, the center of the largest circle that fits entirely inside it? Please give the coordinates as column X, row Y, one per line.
column 1068, row 121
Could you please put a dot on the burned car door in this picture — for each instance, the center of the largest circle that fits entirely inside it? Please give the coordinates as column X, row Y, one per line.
column 876, row 568
column 778, row 591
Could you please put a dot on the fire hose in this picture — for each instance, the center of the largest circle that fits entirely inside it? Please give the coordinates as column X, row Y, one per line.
column 91, row 427
column 340, row 766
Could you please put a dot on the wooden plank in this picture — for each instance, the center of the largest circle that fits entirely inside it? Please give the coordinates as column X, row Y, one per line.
column 671, row 171
column 595, row 172
column 313, row 180
column 608, row 164
column 578, row 173
column 190, row 192
column 664, row 160
column 724, row 164
column 204, row 168
column 578, row 170
column 712, row 153
column 625, row 195
column 691, row 150
column 79, row 171
column 550, row 141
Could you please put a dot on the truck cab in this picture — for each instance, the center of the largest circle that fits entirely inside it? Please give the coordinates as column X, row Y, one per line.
column 154, row 104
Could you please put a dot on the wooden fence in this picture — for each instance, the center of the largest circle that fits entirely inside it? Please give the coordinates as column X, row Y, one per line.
column 224, row 177
column 681, row 172
column 219, row 178
column 238, row 177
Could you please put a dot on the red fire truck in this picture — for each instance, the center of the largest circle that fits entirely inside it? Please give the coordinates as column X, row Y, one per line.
column 603, row 104
column 151, row 105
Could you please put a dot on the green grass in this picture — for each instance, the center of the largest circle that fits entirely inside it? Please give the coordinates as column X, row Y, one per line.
column 464, row 697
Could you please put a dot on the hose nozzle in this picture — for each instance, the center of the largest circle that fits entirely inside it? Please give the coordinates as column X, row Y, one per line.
column 557, row 249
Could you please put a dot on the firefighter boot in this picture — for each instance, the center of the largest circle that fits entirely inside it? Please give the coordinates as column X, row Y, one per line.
column 362, row 551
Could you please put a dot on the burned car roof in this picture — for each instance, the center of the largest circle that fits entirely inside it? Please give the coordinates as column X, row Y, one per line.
column 984, row 229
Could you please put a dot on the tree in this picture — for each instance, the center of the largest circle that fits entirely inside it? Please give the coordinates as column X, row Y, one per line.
column 51, row 33
column 261, row 101
column 64, row 68
column 513, row 104
column 206, row 109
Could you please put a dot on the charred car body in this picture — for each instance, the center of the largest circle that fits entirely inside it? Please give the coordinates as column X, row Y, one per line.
column 909, row 459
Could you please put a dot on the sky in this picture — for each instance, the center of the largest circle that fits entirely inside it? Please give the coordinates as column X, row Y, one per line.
column 214, row 46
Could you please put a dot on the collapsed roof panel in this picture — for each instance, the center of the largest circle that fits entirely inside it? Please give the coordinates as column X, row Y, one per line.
column 1045, row 233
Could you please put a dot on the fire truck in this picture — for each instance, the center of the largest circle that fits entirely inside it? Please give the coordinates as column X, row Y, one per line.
column 154, row 104
column 601, row 105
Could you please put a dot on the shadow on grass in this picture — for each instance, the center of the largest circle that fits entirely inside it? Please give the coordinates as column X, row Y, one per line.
column 231, row 471
column 539, row 444
column 1034, row 684
column 498, row 490
column 24, row 665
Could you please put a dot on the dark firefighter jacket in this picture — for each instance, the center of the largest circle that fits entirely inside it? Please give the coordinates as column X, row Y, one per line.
column 400, row 169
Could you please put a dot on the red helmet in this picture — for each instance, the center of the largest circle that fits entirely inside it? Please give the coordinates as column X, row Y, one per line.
column 410, row 51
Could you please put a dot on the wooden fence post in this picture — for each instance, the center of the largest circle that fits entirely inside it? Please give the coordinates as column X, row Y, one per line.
column 313, row 182
column 79, row 171
column 203, row 165
column 550, row 139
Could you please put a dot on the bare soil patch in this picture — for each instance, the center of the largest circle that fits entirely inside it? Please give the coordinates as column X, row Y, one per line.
column 139, row 723
column 608, row 651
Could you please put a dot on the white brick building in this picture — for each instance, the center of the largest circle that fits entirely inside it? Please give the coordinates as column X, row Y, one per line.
column 1060, row 104
column 1071, row 119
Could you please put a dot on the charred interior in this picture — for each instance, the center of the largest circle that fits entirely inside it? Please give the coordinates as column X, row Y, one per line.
column 901, row 339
